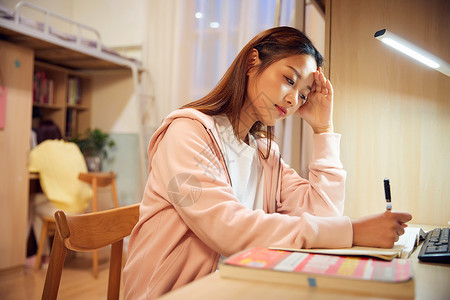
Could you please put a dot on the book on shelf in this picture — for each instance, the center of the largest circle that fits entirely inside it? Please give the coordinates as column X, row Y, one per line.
column 403, row 248
column 71, row 123
column 360, row 275
column 74, row 91
column 43, row 88
column 50, row 91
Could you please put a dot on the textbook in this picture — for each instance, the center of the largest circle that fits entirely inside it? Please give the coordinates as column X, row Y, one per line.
column 402, row 248
column 361, row 275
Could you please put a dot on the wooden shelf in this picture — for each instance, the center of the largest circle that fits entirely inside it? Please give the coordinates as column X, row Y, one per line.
column 48, row 106
column 77, row 107
column 72, row 119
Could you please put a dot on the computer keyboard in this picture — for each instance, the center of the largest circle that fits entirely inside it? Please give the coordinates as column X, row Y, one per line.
column 435, row 248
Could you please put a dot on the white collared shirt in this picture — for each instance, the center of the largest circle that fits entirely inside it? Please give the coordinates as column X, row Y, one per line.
column 244, row 166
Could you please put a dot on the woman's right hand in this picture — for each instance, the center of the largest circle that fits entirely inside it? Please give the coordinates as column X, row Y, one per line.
column 317, row 111
column 380, row 230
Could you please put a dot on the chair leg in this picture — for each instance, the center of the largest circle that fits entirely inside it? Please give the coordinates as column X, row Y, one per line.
column 115, row 270
column 42, row 240
column 95, row 209
column 54, row 271
column 95, row 263
column 114, row 192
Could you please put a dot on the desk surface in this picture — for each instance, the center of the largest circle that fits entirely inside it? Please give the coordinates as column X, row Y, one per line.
column 431, row 282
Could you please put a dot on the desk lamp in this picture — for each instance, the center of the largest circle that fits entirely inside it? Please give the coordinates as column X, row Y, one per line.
column 413, row 51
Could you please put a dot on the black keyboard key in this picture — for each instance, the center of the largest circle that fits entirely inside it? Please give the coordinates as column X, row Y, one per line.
column 435, row 235
column 435, row 248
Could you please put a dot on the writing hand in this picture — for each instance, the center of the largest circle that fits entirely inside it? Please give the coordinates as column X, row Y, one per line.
column 380, row 230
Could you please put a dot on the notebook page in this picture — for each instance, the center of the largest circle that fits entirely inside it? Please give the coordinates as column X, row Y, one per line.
column 409, row 241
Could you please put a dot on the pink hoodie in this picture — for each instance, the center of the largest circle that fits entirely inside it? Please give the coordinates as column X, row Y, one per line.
column 189, row 215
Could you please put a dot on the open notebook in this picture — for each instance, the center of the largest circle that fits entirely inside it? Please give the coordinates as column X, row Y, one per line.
column 402, row 248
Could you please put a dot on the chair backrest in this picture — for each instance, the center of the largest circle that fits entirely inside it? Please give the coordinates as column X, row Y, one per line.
column 89, row 232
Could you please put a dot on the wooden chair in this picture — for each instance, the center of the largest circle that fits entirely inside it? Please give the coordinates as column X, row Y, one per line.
column 100, row 179
column 88, row 232
column 96, row 180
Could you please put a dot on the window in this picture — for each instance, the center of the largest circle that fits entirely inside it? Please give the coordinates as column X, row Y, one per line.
column 221, row 29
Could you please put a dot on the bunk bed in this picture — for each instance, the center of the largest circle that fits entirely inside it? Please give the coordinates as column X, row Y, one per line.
column 72, row 51
column 77, row 52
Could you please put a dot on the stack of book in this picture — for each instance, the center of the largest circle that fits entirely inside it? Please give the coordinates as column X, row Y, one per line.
column 358, row 275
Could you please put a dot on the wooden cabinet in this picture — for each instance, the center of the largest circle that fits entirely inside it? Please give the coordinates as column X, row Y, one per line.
column 17, row 69
column 62, row 105
column 16, row 74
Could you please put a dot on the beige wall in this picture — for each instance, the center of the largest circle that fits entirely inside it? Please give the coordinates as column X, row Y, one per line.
column 393, row 112
column 114, row 107
column 121, row 23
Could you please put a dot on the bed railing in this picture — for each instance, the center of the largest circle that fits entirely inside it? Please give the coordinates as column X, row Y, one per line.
column 80, row 27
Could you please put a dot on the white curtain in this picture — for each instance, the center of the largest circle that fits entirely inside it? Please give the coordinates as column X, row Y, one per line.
column 191, row 43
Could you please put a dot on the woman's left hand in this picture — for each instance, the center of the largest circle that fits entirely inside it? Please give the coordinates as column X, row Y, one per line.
column 317, row 111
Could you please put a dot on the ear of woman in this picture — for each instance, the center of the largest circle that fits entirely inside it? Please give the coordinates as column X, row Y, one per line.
column 253, row 60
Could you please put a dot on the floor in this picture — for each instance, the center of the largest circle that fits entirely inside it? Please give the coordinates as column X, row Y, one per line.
column 25, row 283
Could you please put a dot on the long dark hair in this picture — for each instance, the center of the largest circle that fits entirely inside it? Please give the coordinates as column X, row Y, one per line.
column 228, row 96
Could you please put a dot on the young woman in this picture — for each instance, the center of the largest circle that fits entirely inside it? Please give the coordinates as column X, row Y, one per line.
column 217, row 184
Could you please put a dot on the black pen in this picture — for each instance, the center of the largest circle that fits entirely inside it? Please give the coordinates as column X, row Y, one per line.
column 387, row 194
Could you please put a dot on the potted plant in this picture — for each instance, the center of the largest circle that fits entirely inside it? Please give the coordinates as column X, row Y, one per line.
column 93, row 144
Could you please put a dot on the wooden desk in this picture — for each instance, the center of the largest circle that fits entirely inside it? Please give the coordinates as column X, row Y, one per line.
column 431, row 282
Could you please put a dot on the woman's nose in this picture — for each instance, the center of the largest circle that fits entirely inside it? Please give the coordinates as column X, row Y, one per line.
column 292, row 99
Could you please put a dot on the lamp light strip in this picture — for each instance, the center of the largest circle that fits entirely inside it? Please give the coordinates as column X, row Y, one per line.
column 413, row 51
column 410, row 52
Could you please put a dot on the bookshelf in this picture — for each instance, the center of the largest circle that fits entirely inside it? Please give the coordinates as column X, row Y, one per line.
column 63, row 96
